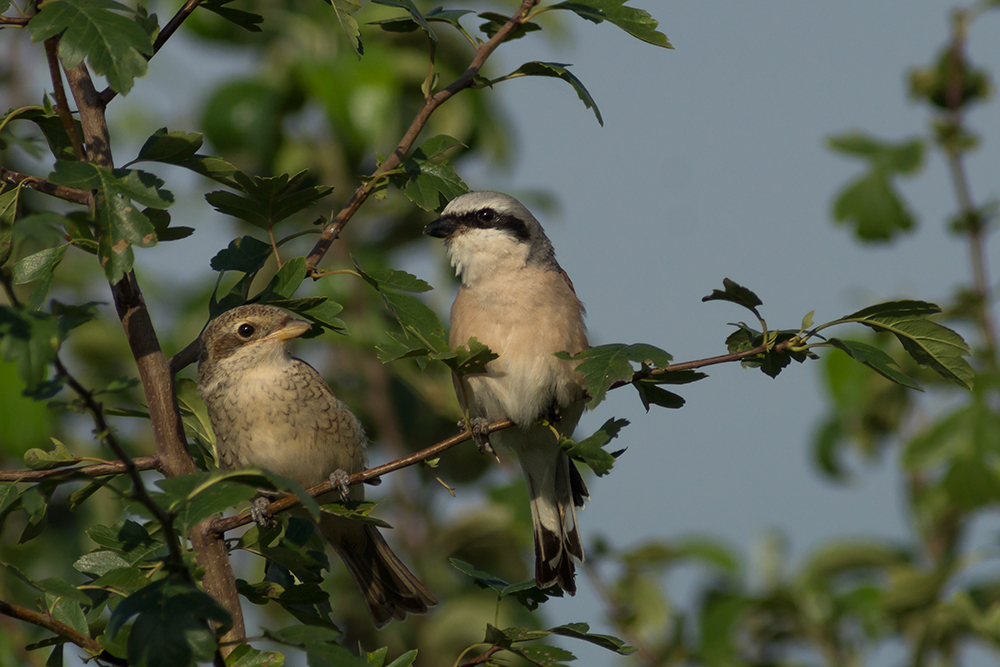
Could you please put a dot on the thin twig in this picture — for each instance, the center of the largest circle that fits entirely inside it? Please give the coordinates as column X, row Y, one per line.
column 45, row 187
column 20, row 21
column 88, row 644
column 220, row 526
column 62, row 105
column 139, row 491
column 81, row 472
column 166, row 33
column 332, row 230
column 482, row 657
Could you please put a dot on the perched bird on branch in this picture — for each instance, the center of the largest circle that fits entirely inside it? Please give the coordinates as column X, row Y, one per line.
column 516, row 299
column 271, row 410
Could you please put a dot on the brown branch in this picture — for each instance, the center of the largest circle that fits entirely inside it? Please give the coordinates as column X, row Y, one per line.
column 45, row 621
column 702, row 363
column 483, row 657
column 220, row 526
column 19, row 21
column 45, row 187
column 332, row 231
column 166, row 33
column 154, row 373
column 62, row 105
column 80, row 472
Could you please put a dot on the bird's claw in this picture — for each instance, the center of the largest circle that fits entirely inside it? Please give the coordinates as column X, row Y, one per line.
column 261, row 515
column 341, row 481
column 480, row 428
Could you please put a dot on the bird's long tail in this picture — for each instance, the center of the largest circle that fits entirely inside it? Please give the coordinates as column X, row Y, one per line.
column 389, row 588
column 556, row 490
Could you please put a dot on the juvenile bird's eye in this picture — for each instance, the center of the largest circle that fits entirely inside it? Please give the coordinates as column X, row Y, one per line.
column 486, row 215
column 245, row 330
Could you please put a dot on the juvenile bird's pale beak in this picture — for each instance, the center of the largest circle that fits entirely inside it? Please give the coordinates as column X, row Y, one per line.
column 291, row 329
column 440, row 228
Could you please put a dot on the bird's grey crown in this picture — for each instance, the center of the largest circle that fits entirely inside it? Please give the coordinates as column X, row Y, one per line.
column 226, row 333
column 486, row 209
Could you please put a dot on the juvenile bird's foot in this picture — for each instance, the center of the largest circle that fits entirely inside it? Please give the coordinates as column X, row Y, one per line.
column 261, row 515
column 480, row 427
column 341, row 481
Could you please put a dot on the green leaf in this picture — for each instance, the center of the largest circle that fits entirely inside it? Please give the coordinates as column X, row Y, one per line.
column 735, row 293
column 558, row 71
column 9, row 202
column 845, row 557
column 415, row 14
column 495, row 21
column 69, row 611
column 635, row 22
column 32, row 340
column 355, row 510
column 929, row 343
column 606, row 364
column 344, row 11
column 245, row 254
column 591, row 450
column 52, row 128
column 128, row 538
column 471, row 358
column 525, row 592
column 544, row 656
column 286, row 280
column 115, row 46
column 121, row 225
column 428, row 181
column 319, row 310
column 875, row 359
column 38, row 266
column 246, row 20
column 245, row 655
column 871, row 203
column 268, row 200
column 650, row 394
column 181, row 149
column 39, row 459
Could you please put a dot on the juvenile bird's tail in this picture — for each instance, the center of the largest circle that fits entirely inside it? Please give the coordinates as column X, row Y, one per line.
column 556, row 490
column 389, row 588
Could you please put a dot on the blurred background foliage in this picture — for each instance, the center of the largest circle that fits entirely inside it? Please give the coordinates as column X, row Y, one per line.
column 305, row 102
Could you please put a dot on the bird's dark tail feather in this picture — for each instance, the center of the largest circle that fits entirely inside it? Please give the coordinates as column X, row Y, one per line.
column 557, row 537
column 389, row 588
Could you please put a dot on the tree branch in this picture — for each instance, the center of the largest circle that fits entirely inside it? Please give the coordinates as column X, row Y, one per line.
column 220, row 526
column 45, row 621
column 483, row 657
column 80, row 472
column 62, row 105
column 45, row 187
column 19, row 21
column 154, row 373
column 332, row 230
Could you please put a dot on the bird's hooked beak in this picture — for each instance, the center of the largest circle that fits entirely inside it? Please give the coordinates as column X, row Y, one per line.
column 291, row 328
column 441, row 228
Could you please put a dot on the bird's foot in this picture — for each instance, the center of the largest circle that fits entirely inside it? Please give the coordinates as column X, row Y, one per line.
column 261, row 515
column 341, row 481
column 480, row 428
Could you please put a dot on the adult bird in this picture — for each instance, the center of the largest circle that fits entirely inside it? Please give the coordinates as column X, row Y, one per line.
column 516, row 299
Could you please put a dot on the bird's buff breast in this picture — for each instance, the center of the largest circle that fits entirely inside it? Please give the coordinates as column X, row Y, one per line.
column 271, row 419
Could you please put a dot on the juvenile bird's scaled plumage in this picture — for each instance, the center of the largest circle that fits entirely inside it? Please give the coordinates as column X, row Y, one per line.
column 271, row 410
column 516, row 299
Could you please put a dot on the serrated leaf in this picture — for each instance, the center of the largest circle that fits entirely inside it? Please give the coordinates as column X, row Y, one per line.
column 544, row 656
column 286, row 280
column 9, row 204
column 99, row 563
column 929, row 343
column 407, row 24
column 471, row 358
column 69, row 611
column 582, row 631
column 636, row 22
column 38, row 266
column 525, row 592
column 905, row 157
column 559, row 71
column 39, row 459
column 606, row 364
column 319, row 310
column 245, row 254
column 415, row 14
column 495, row 21
column 246, row 20
column 875, row 359
column 181, row 149
column 650, row 394
column 873, row 207
column 591, row 450
column 115, row 46
column 344, row 11
column 735, row 293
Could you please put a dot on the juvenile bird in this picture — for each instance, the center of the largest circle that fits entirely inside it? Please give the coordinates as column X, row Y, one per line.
column 271, row 410
column 515, row 298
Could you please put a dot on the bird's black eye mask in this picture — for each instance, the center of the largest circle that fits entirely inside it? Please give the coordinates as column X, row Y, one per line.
column 488, row 218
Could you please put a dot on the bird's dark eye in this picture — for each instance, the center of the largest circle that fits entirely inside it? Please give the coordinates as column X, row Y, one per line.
column 486, row 216
column 245, row 330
